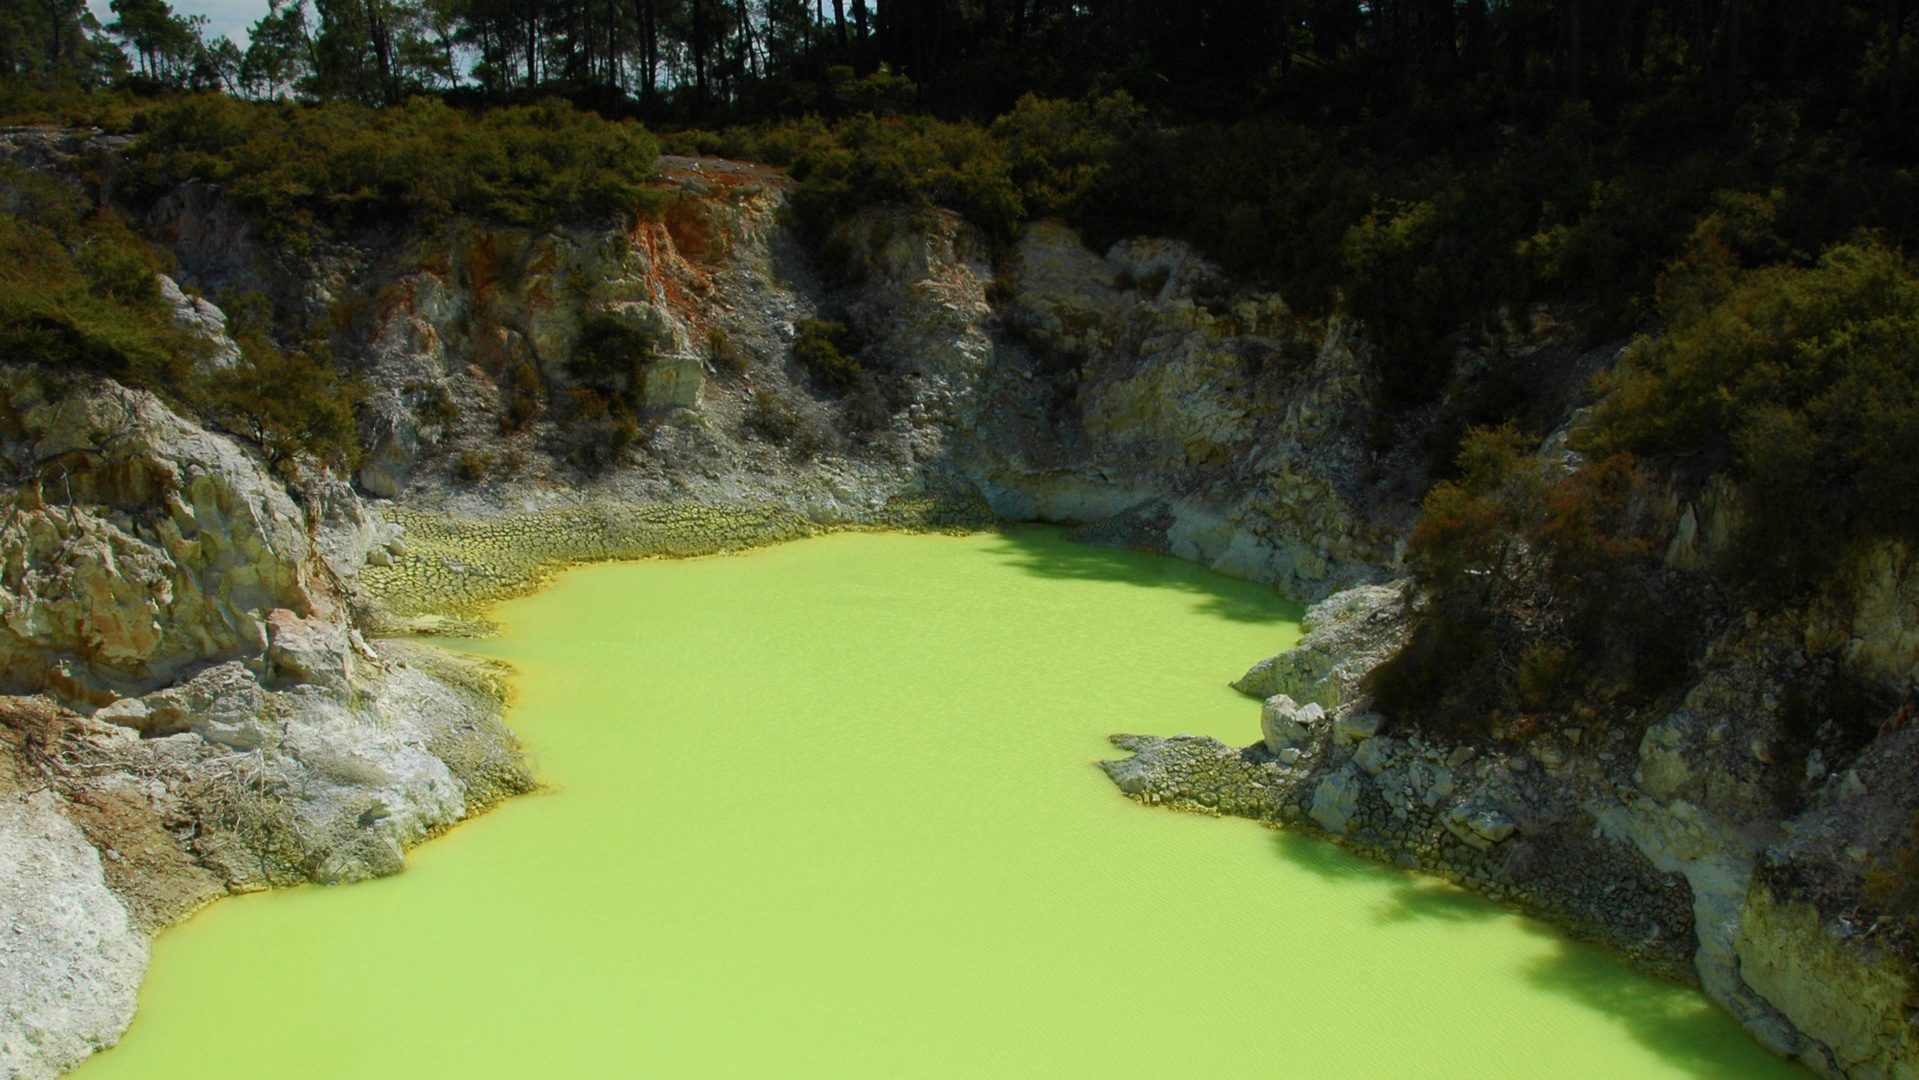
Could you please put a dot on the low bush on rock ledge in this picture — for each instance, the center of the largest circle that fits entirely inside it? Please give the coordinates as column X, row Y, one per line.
column 80, row 292
column 1803, row 383
column 1797, row 383
column 301, row 169
column 1540, row 593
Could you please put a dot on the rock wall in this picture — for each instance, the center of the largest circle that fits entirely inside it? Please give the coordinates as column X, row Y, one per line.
column 1139, row 396
column 70, row 958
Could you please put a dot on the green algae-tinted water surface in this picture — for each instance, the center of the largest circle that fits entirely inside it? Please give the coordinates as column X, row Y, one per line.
column 828, row 810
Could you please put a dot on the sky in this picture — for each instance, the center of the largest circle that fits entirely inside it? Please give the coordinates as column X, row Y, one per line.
column 228, row 18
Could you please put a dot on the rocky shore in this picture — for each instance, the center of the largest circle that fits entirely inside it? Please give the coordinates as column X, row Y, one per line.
column 1654, row 840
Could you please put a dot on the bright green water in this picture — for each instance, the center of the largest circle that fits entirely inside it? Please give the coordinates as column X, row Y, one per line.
column 828, row 810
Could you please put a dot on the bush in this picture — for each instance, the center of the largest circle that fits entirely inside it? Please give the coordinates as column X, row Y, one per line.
column 78, row 288
column 770, row 418
column 524, row 394
column 611, row 358
column 1540, row 592
column 598, row 431
column 724, row 354
column 303, row 169
column 288, row 403
column 818, row 347
column 432, row 407
column 1803, row 382
column 1037, row 160
column 472, row 466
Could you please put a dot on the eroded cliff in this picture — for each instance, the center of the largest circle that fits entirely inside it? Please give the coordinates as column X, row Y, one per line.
column 218, row 710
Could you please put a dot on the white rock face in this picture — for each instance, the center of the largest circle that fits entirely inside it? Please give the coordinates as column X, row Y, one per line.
column 141, row 546
column 1335, row 800
column 70, row 962
column 200, row 317
column 1138, row 395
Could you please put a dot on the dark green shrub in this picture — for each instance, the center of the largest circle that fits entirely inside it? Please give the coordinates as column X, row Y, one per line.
column 432, row 408
column 288, row 403
column 1804, row 383
column 524, row 394
column 472, row 466
column 598, row 431
column 78, row 288
column 818, row 349
column 611, row 358
column 300, row 169
column 1540, row 593
column 724, row 354
column 770, row 418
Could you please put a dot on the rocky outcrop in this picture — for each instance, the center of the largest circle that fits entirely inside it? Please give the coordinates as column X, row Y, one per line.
column 137, row 545
column 70, row 958
column 1514, row 823
column 203, row 320
column 1344, row 637
column 210, row 717
column 1677, row 842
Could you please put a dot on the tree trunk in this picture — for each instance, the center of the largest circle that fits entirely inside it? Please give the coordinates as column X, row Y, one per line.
column 1734, row 30
column 699, row 56
column 382, row 43
column 1895, row 30
column 649, row 50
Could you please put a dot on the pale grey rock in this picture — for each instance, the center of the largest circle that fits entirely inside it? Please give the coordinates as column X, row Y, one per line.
column 200, row 317
column 1287, row 725
column 1346, row 636
column 1487, row 823
column 1335, row 800
column 674, row 382
column 70, row 961
column 1162, row 416
column 143, row 545
column 1351, row 727
column 1373, row 756
column 309, row 650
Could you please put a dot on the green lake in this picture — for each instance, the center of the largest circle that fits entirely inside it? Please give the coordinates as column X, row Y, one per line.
column 829, row 810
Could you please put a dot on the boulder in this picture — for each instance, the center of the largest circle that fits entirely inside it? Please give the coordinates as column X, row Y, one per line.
column 1355, row 727
column 1336, row 800
column 202, row 319
column 1480, row 826
column 1347, row 635
column 1288, row 725
column 310, row 650
column 140, row 546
